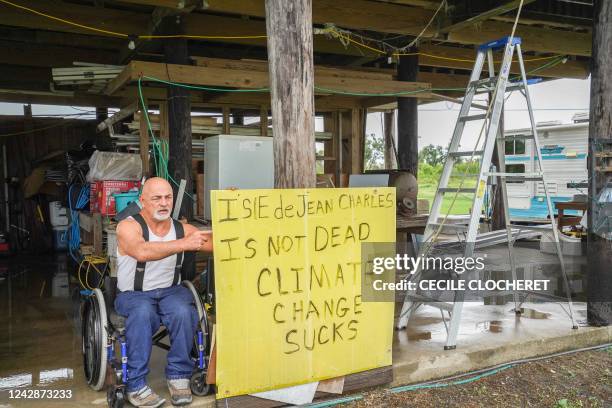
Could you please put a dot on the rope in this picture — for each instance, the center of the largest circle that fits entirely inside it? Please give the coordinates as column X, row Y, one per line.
column 428, row 246
column 344, row 35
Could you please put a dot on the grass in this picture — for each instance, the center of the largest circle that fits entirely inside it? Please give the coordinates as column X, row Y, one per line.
column 428, row 182
column 462, row 204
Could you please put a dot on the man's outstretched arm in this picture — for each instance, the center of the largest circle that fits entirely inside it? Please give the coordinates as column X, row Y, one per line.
column 131, row 242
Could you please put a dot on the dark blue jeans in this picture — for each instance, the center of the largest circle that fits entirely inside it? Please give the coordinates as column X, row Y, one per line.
column 174, row 308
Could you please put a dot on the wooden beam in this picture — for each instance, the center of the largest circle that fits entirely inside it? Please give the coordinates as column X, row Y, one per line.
column 356, row 142
column 172, row 4
column 380, row 17
column 50, row 98
column 390, row 145
column 400, row 19
column 144, row 145
column 534, row 38
column 263, row 121
column 426, row 4
column 292, row 81
column 226, row 120
column 463, row 58
column 121, row 21
column 504, row 8
column 118, row 116
column 209, row 76
column 63, row 39
column 357, row 14
column 407, row 119
column 431, row 55
column 179, row 122
column 35, row 55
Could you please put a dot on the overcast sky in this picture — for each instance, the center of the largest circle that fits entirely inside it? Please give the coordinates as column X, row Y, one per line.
column 553, row 100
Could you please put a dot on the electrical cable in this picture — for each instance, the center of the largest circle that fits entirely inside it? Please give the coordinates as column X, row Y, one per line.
column 446, row 382
column 343, row 34
column 160, row 149
column 73, row 231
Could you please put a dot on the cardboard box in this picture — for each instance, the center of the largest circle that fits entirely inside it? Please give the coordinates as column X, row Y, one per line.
column 101, row 198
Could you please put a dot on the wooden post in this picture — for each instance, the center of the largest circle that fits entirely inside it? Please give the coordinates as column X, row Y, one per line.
column 290, row 60
column 263, row 121
column 163, row 124
column 179, row 117
column 407, row 117
column 599, row 283
column 144, row 143
column 226, row 120
column 357, row 140
column 389, row 142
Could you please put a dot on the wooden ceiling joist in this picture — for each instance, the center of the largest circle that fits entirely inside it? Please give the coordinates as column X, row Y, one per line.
column 399, row 19
column 248, row 79
column 499, row 10
column 353, row 14
column 35, row 55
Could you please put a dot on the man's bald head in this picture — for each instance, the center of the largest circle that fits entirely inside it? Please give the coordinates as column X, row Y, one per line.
column 157, row 198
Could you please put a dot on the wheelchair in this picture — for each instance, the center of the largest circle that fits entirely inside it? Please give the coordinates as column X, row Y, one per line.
column 104, row 344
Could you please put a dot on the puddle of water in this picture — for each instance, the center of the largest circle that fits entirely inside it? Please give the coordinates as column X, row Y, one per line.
column 416, row 336
column 45, row 377
column 49, row 376
column 493, row 326
column 15, row 381
column 533, row 314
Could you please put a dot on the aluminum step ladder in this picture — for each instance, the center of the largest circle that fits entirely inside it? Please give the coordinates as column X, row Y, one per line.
column 496, row 87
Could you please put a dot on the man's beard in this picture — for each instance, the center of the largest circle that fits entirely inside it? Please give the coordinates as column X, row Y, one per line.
column 161, row 217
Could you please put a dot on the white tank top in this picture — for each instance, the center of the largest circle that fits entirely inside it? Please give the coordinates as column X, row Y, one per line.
column 158, row 274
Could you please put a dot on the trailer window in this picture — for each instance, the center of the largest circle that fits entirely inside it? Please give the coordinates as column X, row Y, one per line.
column 515, row 147
column 515, row 168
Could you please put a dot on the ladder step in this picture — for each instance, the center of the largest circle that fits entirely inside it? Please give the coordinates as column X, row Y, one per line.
column 512, row 86
column 449, row 226
column 542, row 227
column 464, row 154
column 491, row 81
column 456, row 190
column 518, row 176
column 497, row 44
column 473, row 117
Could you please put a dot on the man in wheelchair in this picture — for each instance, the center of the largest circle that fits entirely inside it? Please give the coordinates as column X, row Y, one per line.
column 150, row 247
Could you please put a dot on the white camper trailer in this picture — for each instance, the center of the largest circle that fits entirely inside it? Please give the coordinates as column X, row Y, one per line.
column 564, row 156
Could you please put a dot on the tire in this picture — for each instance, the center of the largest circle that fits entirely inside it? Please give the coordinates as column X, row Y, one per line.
column 115, row 397
column 198, row 385
column 94, row 337
column 202, row 316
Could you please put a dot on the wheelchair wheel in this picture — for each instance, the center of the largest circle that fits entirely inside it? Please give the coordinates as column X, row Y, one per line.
column 202, row 316
column 115, row 397
column 198, row 384
column 94, row 336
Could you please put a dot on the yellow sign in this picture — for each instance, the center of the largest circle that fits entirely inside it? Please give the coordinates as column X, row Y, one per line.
column 288, row 286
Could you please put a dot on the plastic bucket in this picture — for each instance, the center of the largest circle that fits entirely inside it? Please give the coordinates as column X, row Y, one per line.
column 122, row 200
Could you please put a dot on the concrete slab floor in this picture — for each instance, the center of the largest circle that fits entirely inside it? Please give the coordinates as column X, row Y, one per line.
column 40, row 345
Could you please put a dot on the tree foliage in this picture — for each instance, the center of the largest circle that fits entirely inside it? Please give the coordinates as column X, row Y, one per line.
column 374, row 156
column 432, row 155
